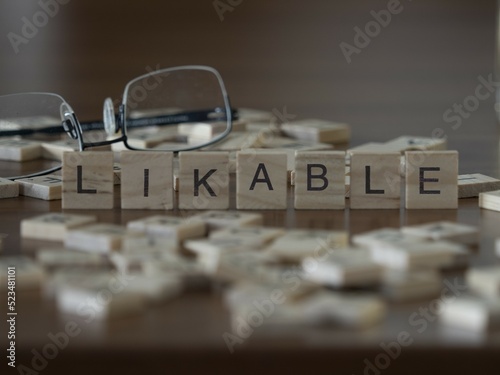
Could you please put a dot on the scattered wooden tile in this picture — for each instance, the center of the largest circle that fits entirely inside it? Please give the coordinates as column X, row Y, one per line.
column 29, row 275
column 204, row 180
column 261, row 180
column 445, row 230
column 340, row 268
column 53, row 226
column 431, row 179
column 375, row 181
column 48, row 187
column 97, row 238
column 255, row 115
column 146, row 180
column 171, row 227
column 407, row 286
column 134, row 243
column 8, row 188
column 16, row 149
column 490, row 200
column 262, row 235
column 239, row 141
column 297, row 244
column 88, row 180
column 315, row 130
column 472, row 313
column 57, row 258
column 228, row 219
column 319, row 180
column 158, row 288
column 148, row 139
column 411, row 143
column 470, row 185
column 55, row 150
column 485, row 281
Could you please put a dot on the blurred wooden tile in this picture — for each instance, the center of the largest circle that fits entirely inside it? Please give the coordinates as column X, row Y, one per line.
column 261, row 235
column 470, row 185
column 96, row 238
column 431, row 179
column 236, row 141
column 147, row 139
column 146, row 180
column 471, row 313
column 57, row 258
column 445, row 230
column 485, row 281
column 414, row 285
column 156, row 288
column 490, row 200
column 316, row 130
column 8, row 188
column 375, row 180
column 88, row 181
column 297, row 244
column 55, row 150
column 255, row 115
column 261, row 180
column 48, row 187
column 175, row 228
column 53, row 226
column 15, row 149
column 227, row 219
column 206, row 131
column 29, row 275
column 340, row 268
column 319, row 180
column 204, row 180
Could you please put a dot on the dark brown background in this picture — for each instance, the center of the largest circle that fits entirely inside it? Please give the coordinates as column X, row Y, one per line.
column 271, row 54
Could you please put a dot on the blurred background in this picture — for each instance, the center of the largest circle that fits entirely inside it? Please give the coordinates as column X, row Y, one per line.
column 429, row 56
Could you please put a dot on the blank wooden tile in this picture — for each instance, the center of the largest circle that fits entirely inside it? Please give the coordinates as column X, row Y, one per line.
column 262, row 235
column 316, row 130
column 490, row 200
column 320, row 180
column 88, row 181
column 341, row 268
column 8, row 188
column 29, row 275
column 297, row 244
column 375, row 180
column 47, row 187
column 226, row 219
column 171, row 227
column 470, row 313
column 55, row 150
column 470, row 185
column 53, row 226
column 146, row 180
column 414, row 285
column 445, row 230
column 431, row 179
column 261, row 180
column 16, row 149
column 484, row 281
column 96, row 238
column 203, row 180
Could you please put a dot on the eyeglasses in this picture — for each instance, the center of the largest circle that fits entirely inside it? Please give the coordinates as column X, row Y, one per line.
column 175, row 109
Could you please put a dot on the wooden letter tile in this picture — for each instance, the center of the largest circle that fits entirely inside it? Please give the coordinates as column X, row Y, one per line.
column 431, row 179
column 375, row 180
column 204, row 180
column 175, row 228
column 19, row 149
column 8, row 188
column 146, row 180
column 41, row 187
column 53, row 226
column 88, row 180
column 96, row 238
column 445, row 230
column 261, row 180
column 470, row 185
column 490, row 200
column 320, row 180
column 315, row 130
column 55, row 150
column 226, row 219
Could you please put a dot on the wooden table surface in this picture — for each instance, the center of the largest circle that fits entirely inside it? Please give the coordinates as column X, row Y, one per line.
column 271, row 55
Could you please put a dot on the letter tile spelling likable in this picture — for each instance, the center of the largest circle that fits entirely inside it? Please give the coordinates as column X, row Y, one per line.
column 261, row 180
column 320, row 180
column 88, row 180
column 146, row 180
column 204, row 180
column 431, row 179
